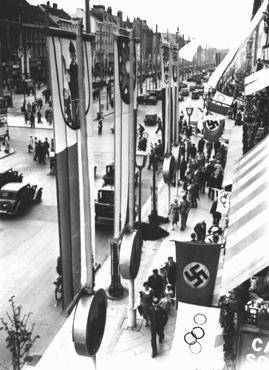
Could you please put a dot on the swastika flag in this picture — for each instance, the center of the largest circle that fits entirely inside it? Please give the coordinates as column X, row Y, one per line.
column 213, row 128
column 197, row 265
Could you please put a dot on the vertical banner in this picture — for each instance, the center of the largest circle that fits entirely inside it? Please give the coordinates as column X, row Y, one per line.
column 165, row 51
column 197, row 265
column 174, row 84
column 65, row 98
column 253, row 349
column 195, row 337
column 121, row 117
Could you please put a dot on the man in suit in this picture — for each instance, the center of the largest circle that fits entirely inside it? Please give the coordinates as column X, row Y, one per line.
column 156, row 283
column 158, row 319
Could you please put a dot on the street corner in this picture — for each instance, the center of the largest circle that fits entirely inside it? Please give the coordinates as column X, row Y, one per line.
column 3, row 154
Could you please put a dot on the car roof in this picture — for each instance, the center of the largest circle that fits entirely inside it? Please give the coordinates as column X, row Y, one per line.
column 14, row 186
column 107, row 188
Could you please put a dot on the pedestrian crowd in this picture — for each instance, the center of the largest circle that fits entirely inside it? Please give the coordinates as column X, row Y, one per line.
column 39, row 148
column 157, row 299
column 200, row 168
column 33, row 111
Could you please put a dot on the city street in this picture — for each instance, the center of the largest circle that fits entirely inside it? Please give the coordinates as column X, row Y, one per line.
column 32, row 238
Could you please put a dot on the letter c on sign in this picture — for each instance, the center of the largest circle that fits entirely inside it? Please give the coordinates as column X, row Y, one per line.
column 254, row 344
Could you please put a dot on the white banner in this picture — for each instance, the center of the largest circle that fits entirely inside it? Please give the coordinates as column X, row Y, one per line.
column 195, row 337
column 188, row 51
column 223, row 205
column 256, row 81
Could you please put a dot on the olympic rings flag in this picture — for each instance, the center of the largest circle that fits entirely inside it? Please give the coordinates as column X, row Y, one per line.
column 195, row 338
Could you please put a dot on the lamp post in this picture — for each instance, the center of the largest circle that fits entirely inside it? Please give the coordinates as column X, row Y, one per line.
column 141, row 158
column 189, row 111
column 205, row 95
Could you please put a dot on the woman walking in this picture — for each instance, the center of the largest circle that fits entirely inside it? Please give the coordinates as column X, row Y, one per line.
column 174, row 213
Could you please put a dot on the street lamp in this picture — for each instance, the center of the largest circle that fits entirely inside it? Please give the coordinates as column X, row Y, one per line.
column 205, row 95
column 189, row 111
column 141, row 158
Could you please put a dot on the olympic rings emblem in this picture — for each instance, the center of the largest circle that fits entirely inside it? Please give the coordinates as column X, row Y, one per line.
column 191, row 337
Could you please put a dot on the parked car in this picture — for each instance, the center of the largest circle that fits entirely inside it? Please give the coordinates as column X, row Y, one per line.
column 104, row 205
column 109, row 176
column 190, row 79
column 152, row 100
column 150, row 119
column 10, row 176
column 15, row 197
column 155, row 93
column 144, row 99
column 185, row 92
column 192, row 88
column 195, row 95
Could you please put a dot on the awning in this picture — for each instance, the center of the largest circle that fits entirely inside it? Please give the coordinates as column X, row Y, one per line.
column 229, row 58
column 247, row 250
column 256, row 81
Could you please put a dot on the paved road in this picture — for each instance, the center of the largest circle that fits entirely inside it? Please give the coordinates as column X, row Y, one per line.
column 31, row 244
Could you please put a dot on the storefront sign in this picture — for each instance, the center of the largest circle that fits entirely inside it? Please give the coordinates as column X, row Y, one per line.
column 253, row 349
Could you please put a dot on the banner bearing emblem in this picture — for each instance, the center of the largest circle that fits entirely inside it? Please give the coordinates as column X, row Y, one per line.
column 196, row 275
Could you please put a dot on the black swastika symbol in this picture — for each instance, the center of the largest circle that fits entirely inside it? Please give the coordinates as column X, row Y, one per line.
column 212, row 125
column 196, row 275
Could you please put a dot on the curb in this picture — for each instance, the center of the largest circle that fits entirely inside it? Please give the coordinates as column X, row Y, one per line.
column 7, row 154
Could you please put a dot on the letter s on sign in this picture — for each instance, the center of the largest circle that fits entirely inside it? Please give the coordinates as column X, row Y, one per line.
column 251, row 358
column 254, row 344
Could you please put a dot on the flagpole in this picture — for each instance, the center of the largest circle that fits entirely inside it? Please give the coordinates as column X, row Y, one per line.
column 85, row 169
column 131, row 308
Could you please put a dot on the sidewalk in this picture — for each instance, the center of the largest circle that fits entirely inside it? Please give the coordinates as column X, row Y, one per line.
column 123, row 347
column 16, row 117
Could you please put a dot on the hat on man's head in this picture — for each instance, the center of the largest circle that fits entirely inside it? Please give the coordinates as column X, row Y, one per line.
column 155, row 270
column 146, row 283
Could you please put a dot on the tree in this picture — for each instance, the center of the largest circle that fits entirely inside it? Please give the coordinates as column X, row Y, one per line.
column 19, row 338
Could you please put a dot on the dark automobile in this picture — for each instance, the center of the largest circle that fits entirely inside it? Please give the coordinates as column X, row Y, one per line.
column 182, row 85
column 14, row 197
column 10, row 176
column 192, row 88
column 109, row 176
column 190, row 79
column 150, row 119
column 142, row 99
column 152, row 100
column 155, row 93
column 185, row 92
column 195, row 95
column 104, row 205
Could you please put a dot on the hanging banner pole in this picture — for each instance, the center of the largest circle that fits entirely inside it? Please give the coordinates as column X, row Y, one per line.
column 85, row 170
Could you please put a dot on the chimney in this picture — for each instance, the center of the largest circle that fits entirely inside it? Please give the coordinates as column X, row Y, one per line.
column 54, row 6
column 48, row 3
column 119, row 15
column 109, row 10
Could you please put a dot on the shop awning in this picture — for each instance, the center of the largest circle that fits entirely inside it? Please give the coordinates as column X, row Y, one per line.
column 256, row 81
column 247, row 250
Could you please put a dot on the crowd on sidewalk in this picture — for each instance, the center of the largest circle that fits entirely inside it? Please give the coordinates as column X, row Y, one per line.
column 40, row 149
column 201, row 168
column 33, row 110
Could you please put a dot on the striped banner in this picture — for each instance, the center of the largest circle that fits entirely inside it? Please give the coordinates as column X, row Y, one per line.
column 166, row 86
column 197, row 342
column 65, row 97
column 174, row 88
column 121, row 119
column 247, row 238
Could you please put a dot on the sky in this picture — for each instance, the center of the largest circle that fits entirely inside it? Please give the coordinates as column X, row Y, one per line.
column 215, row 22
